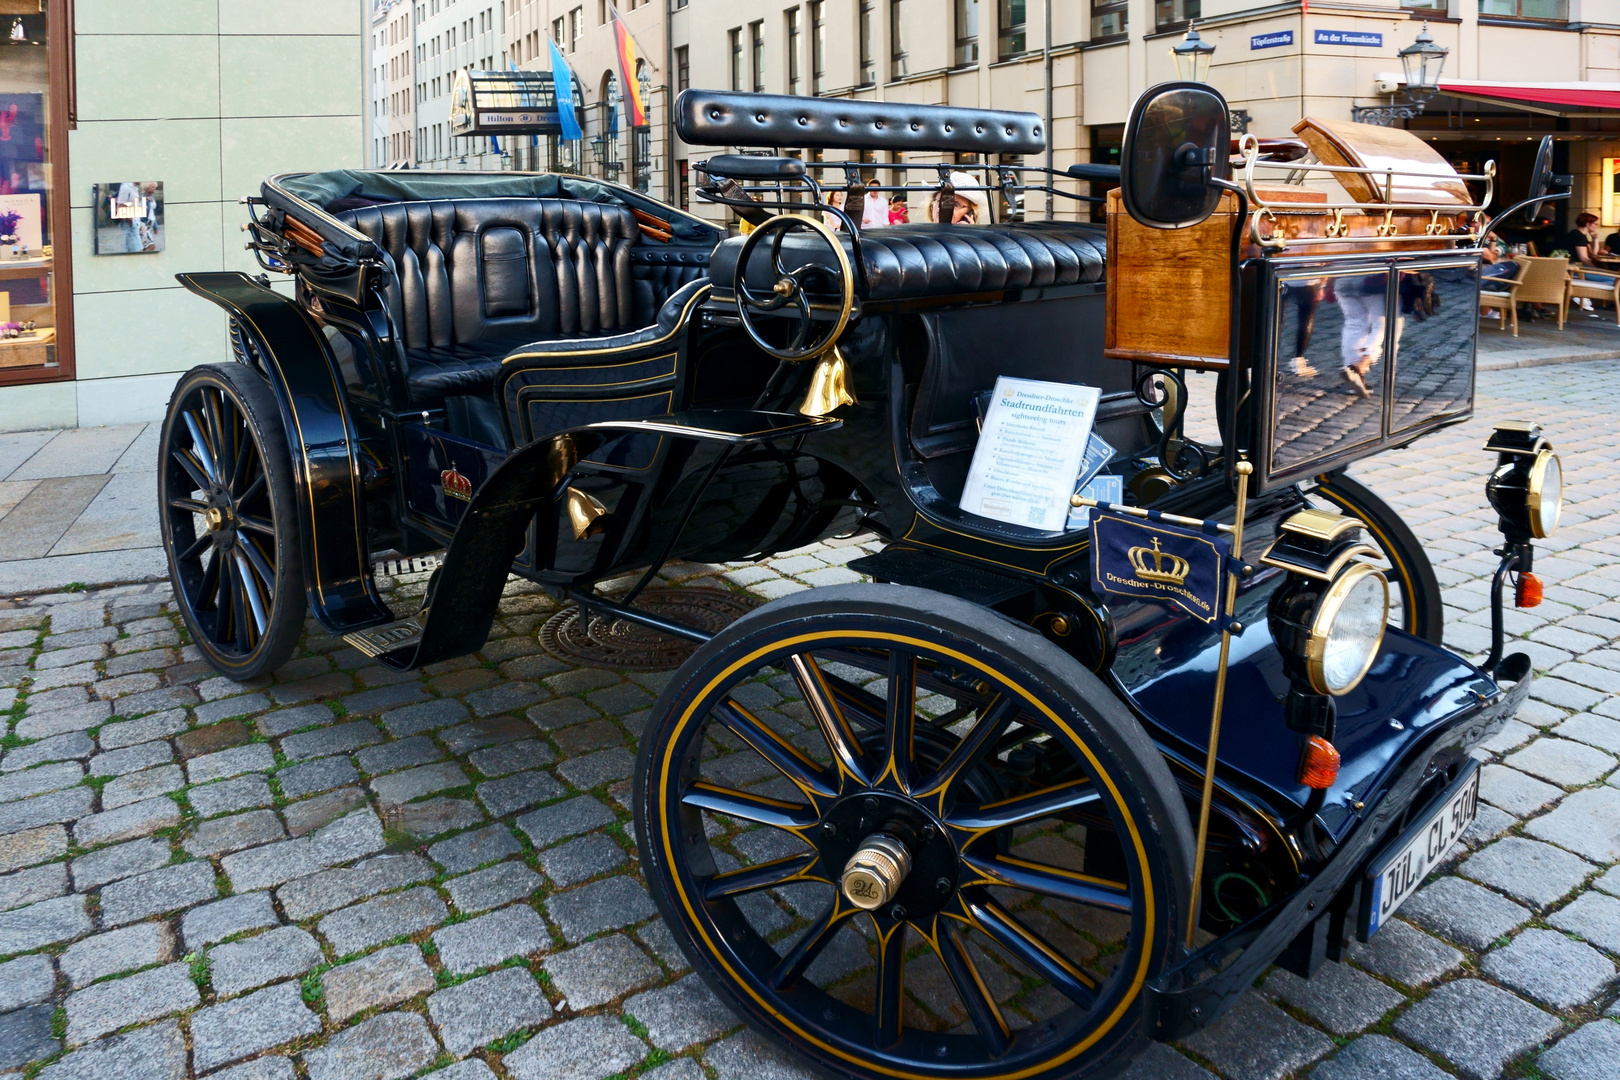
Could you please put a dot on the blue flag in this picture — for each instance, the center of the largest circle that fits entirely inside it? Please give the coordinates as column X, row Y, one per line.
column 562, row 81
column 1151, row 560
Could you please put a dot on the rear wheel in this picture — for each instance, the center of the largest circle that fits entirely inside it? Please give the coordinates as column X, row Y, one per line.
column 1039, row 855
column 1415, row 603
column 225, row 498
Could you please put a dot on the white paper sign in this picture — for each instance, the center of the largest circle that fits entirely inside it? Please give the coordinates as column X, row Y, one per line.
column 1029, row 452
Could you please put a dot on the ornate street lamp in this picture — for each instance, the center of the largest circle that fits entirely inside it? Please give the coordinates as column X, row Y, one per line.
column 1421, row 62
column 1192, row 55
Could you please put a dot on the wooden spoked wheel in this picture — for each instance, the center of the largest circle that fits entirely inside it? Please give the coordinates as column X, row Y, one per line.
column 1415, row 602
column 1049, row 853
column 229, row 524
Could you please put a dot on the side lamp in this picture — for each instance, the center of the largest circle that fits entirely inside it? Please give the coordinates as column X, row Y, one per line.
column 1526, row 489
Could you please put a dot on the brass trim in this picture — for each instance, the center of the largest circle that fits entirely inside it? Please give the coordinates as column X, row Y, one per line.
column 1327, row 611
column 829, row 385
column 585, row 513
column 1540, row 526
column 873, row 874
column 1319, row 524
column 846, row 305
column 1348, row 555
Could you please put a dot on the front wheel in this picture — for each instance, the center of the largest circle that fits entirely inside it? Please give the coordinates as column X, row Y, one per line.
column 230, row 528
column 909, row 838
column 1416, row 604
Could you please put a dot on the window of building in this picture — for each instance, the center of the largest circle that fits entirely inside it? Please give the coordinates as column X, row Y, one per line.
column 1174, row 14
column 683, row 68
column 557, row 30
column 1553, row 10
column 736, row 58
column 1011, row 38
column 1108, row 18
column 1107, row 140
column 601, row 12
column 756, row 44
column 682, row 171
column 868, row 56
column 792, row 16
column 818, row 47
column 967, row 32
column 576, row 27
column 897, row 40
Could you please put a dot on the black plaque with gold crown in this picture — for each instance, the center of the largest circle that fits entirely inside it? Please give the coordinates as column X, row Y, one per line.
column 1154, row 560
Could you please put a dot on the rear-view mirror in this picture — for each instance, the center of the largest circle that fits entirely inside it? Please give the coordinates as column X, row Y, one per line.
column 1540, row 176
column 1177, row 140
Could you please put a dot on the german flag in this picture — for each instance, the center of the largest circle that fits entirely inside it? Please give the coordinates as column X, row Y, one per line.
column 631, row 87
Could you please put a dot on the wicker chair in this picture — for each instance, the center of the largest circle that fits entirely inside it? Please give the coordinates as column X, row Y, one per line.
column 1543, row 281
column 1579, row 286
column 1505, row 302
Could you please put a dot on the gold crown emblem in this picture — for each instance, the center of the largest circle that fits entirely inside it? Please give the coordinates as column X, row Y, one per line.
column 1172, row 569
column 456, row 486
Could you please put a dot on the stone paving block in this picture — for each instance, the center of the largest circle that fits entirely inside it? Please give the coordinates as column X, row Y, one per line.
column 583, row 738
column 282, row 721
column 31, row 886
column 250, row 963
column 1156, row 1062
column 370, row 702
column 1593, row 916
column 386, row 977
column 1464, row 912
column 385, row 1047
column 265, row 1068
column 45, row 923
column 130, row 732
column 309, row 814
column 558, row 821
column 349, row 837
column 1547, row 966
column 504, row 697
column 218, row 836
column 32, row 846
column 213, row 738
column 489, row 731
column 133, row 947
column 401, row 754
column 225, row 796
column 492, row 887
column 1562, row 762
column 1378, row 1057
column 1401, row 952
column 751, row 1056
column 481, row 1010
column 339, row 739
column 602, row 767
column 515, row 757
column 1593, row 730
column 585, row 1049
column 41, row 725
column 359, row 927
column 312, row 776
column 1587, row 823
column 1564, row 694
column 254, row 757
column 138, row 787
column 599, row 971
column 561, row 713
column 1590, row 1053
column 105, row 1007
column 74, row 746
column 488, row 939
column 606, row 905
column 56, row 807
column 156, row 892
column 151, row 1053
column 243, row 1026
column 332, row 684
column 214, row 922
column 415, row 719
column 1476, row 1026
column 169, row 697
column 681, row 1014
column 1488, row 824
column 658, row 939
column 434, row 817
column 414, row 783
column 1527, row 870
column 1257, row 1040
column 41, row 780
column 137, row 819
column 131, row 758
column 26, row 980
column 679, row 1069
column 581, row 859
column 25, row 1036
column 475, row 848
column 331, row 889
column 468, row 1069
column 212, row 712
column 519, row 791
column 1338, row 997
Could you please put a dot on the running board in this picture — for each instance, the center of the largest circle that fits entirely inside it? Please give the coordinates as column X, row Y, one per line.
column 380, row 640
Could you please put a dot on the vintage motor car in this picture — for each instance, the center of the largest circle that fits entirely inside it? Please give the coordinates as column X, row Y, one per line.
column 980, row 817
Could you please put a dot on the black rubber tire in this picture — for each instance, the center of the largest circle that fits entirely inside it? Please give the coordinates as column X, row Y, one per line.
column 1411, row 573
column 254, row 633
column 983, row 645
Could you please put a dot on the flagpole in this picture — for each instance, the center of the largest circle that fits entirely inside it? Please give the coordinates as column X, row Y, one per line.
column 1243, row 469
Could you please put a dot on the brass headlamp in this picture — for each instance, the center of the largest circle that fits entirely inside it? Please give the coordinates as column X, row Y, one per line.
column 1526, row 489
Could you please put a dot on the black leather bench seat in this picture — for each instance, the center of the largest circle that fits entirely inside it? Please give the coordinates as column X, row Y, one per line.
column 912, row 261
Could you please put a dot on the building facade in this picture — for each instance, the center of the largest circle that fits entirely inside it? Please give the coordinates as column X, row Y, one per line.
column 398, row 75
column 142, row 125
column 451, row 36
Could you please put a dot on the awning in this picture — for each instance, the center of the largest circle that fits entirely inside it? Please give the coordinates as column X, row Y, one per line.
column 1550, row 98
column 504, row 103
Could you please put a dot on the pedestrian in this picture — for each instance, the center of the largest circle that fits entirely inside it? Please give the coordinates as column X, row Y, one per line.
column 899, row 213
column 1361, row 300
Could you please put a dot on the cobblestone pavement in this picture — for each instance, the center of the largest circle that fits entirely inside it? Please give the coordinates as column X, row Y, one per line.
column 352, row 872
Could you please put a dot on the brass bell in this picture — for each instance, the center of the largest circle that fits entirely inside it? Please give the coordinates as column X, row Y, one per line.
column 829, row 385
column 585, row 513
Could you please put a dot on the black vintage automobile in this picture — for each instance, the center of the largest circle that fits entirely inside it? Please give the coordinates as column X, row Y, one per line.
column 971, row 820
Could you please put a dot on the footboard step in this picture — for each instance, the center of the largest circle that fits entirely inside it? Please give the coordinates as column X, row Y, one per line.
column 375, row 641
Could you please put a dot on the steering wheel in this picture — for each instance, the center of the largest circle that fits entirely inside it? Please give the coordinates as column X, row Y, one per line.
column 789, row 287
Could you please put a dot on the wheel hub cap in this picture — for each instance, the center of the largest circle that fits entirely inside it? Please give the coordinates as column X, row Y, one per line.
column 215, row 518
column 874, row 873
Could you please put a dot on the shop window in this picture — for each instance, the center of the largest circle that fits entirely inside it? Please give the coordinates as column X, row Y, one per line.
column 1108, row 18
column 35, row 292
column 967, row 32
column 1551, row 10
column 1011, row 38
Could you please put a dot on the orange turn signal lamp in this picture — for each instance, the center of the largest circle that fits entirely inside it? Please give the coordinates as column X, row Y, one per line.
column 1319, row 764
column 1527, row 591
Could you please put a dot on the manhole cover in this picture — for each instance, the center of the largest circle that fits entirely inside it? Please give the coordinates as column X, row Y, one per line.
column 596, row 641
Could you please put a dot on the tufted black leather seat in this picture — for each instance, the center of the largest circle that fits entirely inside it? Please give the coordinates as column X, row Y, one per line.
column 478, row 279
column 910, row 261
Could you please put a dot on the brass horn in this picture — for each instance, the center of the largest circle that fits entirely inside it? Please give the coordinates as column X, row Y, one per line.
column 829, row 385
column 585, row 514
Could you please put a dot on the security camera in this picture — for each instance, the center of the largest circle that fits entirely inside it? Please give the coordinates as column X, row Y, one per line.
column 1386, row 83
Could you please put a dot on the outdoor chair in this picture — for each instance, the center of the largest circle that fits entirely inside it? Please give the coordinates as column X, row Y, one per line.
column 1505, row 302
column 1581, row 287
column 1542, row 281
